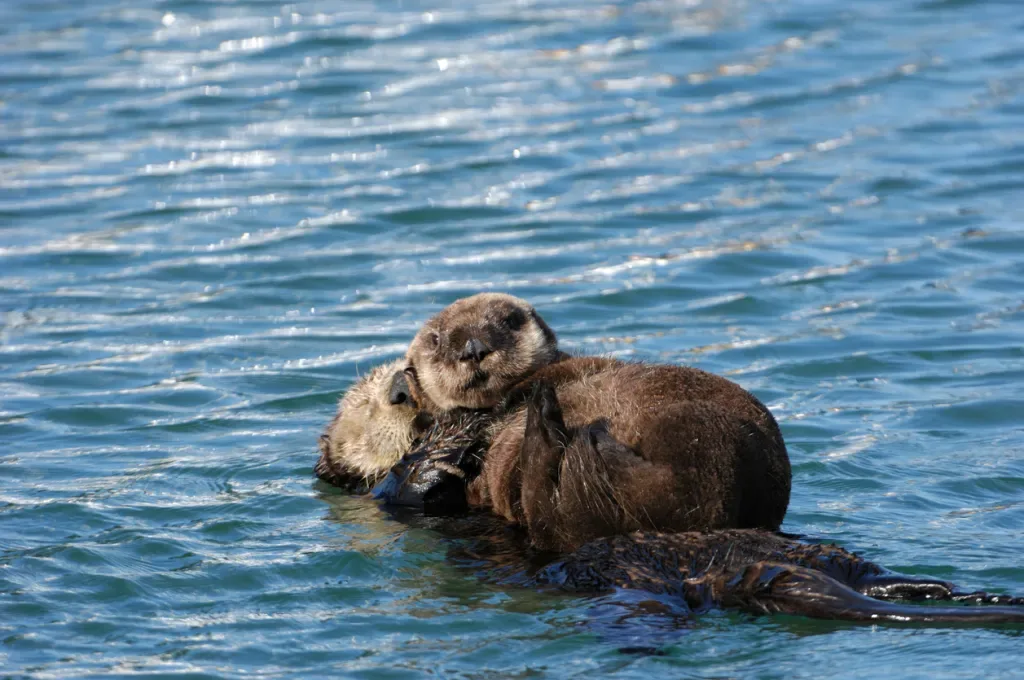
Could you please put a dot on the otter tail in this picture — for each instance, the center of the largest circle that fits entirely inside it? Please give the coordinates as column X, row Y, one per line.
column 768, row 587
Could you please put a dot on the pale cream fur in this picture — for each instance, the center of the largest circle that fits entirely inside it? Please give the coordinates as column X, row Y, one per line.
column 369, row 434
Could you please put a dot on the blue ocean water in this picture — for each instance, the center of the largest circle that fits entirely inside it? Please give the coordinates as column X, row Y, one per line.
column 215, row 215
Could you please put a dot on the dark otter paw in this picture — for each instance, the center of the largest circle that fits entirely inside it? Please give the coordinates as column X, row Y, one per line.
column 433, row 476
column 436, row 487
column 544, row 415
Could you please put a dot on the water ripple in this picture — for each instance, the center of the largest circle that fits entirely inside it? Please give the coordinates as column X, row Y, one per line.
column 213, row 217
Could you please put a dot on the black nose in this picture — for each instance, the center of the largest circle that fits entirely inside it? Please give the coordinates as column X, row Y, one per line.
column 475, row 350
column 399, row 392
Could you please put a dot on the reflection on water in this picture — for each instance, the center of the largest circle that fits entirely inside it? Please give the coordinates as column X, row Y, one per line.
column 213, row 216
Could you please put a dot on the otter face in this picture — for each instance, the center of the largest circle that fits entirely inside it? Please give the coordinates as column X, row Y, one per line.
column 475, row 349
column 376, row 423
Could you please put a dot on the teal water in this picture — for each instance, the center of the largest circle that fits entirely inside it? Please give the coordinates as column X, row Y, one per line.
column 214, row 216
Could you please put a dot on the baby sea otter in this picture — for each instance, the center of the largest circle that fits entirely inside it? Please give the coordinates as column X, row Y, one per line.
column 645, row 446
column 374, row 427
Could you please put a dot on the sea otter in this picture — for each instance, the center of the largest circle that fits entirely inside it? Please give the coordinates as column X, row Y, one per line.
column 756, row 571
column 646, row 446
column 753, row 570
column 374, row 427
column 632, row 446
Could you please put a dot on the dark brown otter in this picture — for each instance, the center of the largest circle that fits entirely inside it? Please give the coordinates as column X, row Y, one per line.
column 604, row 486
column 640, row 447
column 756, row 571
column 764, row 573
column 645, row 446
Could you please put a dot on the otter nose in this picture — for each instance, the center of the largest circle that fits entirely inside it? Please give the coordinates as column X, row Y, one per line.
column 475, row 350
column 399, row 392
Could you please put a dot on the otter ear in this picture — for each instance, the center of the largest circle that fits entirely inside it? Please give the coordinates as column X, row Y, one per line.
column 544, row 415
column 549, row 334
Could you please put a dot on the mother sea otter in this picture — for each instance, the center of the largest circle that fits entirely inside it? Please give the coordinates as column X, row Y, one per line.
column 755, row 571
column 642, row 446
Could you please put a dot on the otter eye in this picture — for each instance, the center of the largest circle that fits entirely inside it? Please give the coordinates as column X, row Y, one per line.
column 515, row 320
column 435, row 340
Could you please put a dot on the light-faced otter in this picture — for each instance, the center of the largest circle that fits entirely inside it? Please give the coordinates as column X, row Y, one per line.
column 474, row 350
column 374, row 427
column 753, row 570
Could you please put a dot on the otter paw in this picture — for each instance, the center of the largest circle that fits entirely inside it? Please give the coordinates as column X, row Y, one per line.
column 432, row 484
column 544, row 415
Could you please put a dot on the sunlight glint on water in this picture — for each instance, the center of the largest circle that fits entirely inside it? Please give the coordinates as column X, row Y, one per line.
column 214, row 216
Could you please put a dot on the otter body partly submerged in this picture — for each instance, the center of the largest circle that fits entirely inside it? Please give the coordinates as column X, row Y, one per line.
column 639, row 446
column 763, row 573
column 588, row 446
column 757, row 571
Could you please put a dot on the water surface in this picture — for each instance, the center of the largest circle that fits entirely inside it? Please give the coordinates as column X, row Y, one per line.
column 214, row 216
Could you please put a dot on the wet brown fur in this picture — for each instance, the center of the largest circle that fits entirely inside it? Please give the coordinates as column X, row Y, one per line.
column 518, row 340
column 683, row 573
column 644, row 446
column 762, row 573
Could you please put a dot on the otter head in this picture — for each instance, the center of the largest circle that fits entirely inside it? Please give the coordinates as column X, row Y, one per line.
column 476, row 348
column 377, row 420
